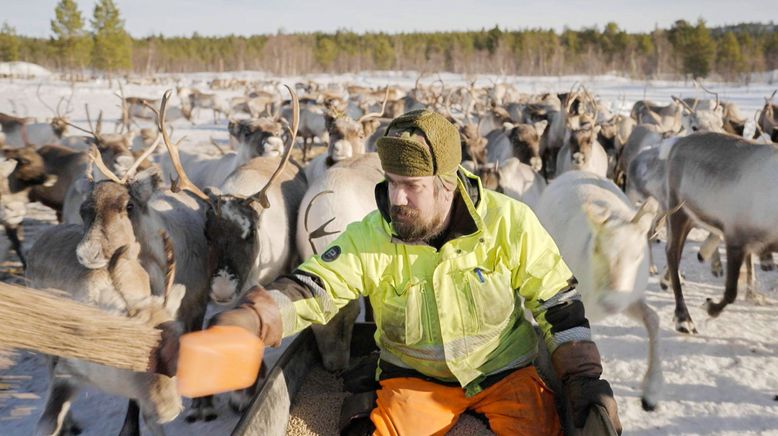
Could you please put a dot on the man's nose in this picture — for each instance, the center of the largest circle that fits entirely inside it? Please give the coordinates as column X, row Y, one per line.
column 398, row 197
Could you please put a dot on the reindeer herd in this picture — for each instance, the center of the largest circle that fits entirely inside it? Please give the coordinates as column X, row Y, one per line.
column 162, row 235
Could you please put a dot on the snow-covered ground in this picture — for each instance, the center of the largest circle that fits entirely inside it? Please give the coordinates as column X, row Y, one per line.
column 722, row 381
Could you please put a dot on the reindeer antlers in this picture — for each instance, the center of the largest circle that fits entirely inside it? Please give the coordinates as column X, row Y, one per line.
column 371, row 115
column 183, row 181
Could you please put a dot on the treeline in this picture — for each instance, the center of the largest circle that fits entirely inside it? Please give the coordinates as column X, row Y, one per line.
column 685, row 49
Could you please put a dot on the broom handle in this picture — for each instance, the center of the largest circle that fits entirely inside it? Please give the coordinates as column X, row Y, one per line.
column 52, row 323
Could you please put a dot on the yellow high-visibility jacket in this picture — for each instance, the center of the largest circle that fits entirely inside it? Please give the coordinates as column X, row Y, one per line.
column 454, row 314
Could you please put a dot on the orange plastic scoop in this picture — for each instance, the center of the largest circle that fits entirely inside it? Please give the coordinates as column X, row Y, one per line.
column 219, row 359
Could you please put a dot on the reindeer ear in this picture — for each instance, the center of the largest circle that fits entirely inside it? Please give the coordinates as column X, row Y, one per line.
column 51, row 180
column 7, row 166
column 144, row 184
column 596, row 130
column 598, row 212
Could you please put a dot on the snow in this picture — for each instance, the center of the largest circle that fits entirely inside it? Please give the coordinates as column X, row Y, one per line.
column 722, row 381
column 22, row 69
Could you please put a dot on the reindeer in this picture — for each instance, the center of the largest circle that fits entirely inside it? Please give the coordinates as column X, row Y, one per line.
column 726, row 184
column 346, row 139
column 344, row 194
column 259, row 137
column 768, row 119
column 146, row 208
column 582, row 152
column 197, row 100
column 246, row 250
column 525, row 144
column 13, row 206
column 667, row 118
column 122, row 286
column 512, row 178
column 21, row 131
column 603, row 241
column 701, row 117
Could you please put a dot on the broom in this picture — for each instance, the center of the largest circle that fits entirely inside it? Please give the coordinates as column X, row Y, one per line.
column 52, row 323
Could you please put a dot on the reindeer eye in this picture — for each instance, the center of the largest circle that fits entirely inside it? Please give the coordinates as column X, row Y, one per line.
column 130, row 206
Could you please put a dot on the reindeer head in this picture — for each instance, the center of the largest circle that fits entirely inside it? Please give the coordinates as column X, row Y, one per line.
column 701, row 118
column 347, row 136
column 232, row 221
column 231, row 225
column 110, row 214
column 261, row 136
column 30, row 169
column 619, row 255
column 581, row 142
column 525, row 139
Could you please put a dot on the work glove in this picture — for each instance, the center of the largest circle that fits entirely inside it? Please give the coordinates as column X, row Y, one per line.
column 258, row 313
column 164, row 359
column 584, row 392
column 577, row 364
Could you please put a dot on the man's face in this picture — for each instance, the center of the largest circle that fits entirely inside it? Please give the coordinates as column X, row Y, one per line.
column 419, row 206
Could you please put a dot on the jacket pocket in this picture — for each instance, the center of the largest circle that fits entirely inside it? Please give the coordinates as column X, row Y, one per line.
column 402, row 313
column 492, row 296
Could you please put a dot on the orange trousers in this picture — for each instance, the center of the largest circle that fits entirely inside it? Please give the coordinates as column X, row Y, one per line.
column 519, row 404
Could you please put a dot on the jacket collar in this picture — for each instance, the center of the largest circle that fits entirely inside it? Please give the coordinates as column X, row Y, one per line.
column 464, row 221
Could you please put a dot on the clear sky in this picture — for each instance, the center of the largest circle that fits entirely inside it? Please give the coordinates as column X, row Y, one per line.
column 246, row 17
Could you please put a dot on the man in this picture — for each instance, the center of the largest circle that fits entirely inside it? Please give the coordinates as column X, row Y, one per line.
column 445, row 265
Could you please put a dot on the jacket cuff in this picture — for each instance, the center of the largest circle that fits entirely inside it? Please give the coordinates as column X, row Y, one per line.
column 270, row 327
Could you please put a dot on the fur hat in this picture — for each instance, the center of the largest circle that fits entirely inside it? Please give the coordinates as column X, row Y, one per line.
column 420, row 143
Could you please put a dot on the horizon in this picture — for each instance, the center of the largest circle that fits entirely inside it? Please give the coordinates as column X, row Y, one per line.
column 209, row 19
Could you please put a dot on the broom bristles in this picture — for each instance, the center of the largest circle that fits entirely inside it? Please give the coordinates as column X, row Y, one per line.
column 49, row 322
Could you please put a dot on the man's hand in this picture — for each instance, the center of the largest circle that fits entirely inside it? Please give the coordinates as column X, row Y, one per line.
column 577, row 364
column 584, row 392
column 164, row 359
column 258, row 314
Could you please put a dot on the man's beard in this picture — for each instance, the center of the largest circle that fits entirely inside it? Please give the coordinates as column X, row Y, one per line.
column 411, row 228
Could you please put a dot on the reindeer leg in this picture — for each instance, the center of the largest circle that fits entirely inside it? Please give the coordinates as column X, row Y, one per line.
column 651, row 265
column 653, row 381
column 13, row 235
column 766, row 261
column 56, row 418
column 678, row 225
column 716, row 266
column 154, row 427
column 240, row 400
column 752, row 294
column 131, row 425
column 735, row 256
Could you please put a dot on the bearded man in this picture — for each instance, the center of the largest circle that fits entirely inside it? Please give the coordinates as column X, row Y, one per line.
column 448, row 268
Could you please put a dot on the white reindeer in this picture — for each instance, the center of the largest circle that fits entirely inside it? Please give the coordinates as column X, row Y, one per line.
column 603, row 240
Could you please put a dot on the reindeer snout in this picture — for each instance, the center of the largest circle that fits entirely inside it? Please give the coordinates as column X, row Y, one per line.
column 90, row 255
column 224, row 287
column 579, row 159
column 274, row 147
column 340, row 151
column 536, row 163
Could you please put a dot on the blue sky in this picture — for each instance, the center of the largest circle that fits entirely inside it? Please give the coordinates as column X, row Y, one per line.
column 246, row 17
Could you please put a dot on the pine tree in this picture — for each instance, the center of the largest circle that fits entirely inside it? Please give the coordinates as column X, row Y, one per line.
column 695, row 46
column 9, row 43
column 112, row 45
column 729, row 59
column 71, row 41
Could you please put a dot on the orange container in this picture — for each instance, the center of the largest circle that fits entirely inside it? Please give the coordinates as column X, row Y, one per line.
column 219, row 359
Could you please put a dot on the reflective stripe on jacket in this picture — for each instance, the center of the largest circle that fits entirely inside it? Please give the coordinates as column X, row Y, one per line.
column 454, row 314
